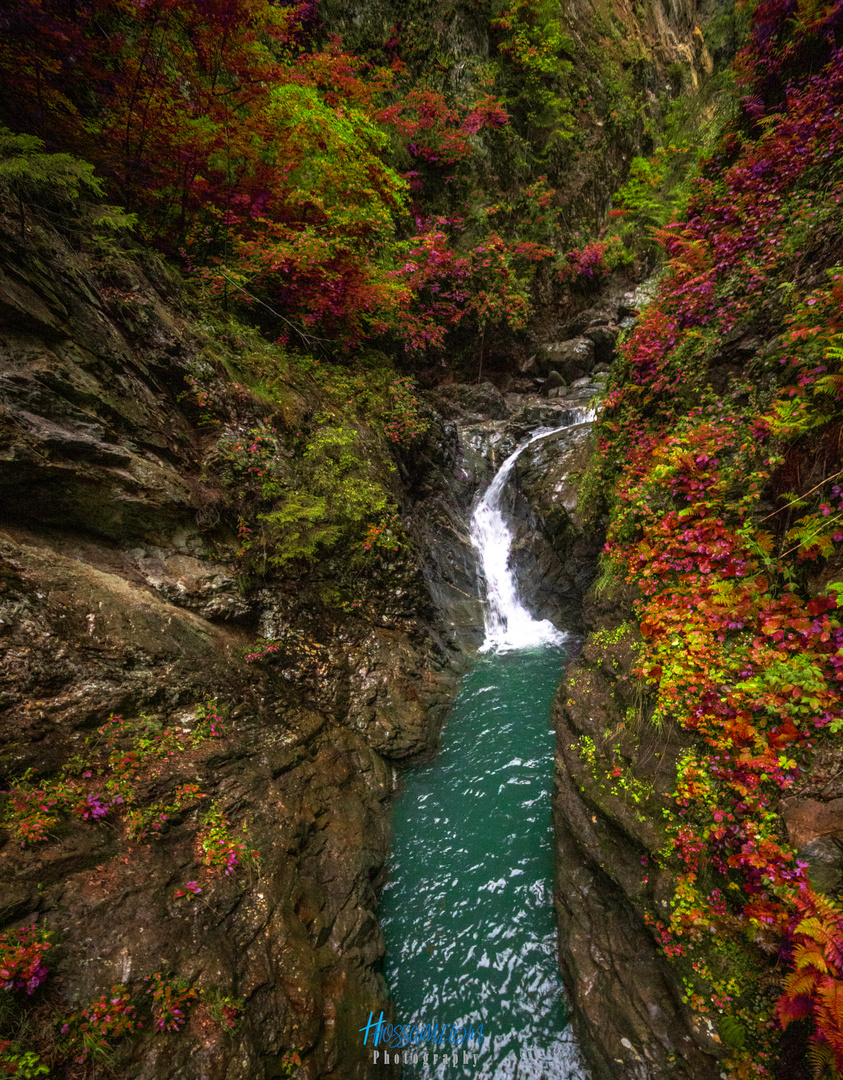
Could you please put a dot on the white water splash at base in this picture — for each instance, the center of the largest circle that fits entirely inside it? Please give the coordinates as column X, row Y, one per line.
column 508, row 624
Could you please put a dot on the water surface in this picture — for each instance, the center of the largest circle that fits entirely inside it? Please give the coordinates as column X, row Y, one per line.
column 467, row 915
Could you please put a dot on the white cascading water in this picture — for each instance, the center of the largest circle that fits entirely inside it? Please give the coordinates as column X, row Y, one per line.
column 508, row 624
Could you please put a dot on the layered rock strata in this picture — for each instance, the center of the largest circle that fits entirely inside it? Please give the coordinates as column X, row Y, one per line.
column 120, row 595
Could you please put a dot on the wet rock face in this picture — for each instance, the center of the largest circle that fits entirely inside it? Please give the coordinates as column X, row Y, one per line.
column 552, row 557
column 90, row 433
column 119, row 594
column 554, row 554
column 813, row 817
column 612, row 778
column 604, row 339
column 480, row 401
column 190, row 583
column 397, row 694
column 441, row 479
column 571, row 359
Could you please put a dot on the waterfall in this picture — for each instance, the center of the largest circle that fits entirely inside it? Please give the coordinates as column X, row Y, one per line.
column 508, row 624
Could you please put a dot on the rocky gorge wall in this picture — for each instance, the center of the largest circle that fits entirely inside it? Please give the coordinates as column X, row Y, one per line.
column 627, row 1002
column 123, row 593
column 119, row 594
column 126, row 621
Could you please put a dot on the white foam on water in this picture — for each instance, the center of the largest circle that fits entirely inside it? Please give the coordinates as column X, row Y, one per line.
column 508, row 624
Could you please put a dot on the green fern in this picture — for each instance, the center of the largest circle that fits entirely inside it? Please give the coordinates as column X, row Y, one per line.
column 29, row 174
column 732, row 1032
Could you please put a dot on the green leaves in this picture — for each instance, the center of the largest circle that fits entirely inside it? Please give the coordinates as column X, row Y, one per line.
column 32, row 175
column 338, row 494
column 732, row 1031
column 329, row 158
column 29, row 171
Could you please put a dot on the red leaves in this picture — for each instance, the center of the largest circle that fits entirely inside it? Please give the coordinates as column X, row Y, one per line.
column 436, row 132
column 740, row 657
column 22, row 958
column 792, row 1007
column 591, row 264
column 254, row 156
column 441, row 288
column 819, row 604
column 486, row 112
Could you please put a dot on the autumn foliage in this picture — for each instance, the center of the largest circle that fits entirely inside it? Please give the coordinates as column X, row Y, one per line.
column 742, row 652
column 275, row 164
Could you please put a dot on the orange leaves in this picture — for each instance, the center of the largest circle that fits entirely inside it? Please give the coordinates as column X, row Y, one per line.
column 806, row 955
column 770, row 625
column 815, row 986
column 748, row 664
column 737, row 652
column 785, row 736
column 740, row 728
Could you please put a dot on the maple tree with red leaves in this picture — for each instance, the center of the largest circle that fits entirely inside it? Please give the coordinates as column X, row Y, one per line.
column 258, row 156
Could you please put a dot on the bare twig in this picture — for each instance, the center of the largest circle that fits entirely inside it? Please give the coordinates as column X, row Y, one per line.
column 801, row 497
column 307, row 340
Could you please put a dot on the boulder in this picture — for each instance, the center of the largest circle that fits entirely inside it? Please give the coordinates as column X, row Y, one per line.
column 603, row 315
column 554, row 381
column 482, row 400
column 632, row 302
column 536, row 414
column 571, row 359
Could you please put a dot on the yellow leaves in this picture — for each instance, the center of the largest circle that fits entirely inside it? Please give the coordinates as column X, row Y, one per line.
column 764, row 541
column 742, row 1067
column 829, row 384
column 792, row 417
column 808, row 956
column 815, row 929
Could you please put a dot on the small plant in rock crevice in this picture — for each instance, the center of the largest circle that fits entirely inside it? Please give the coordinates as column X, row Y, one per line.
column 222, row 848
column 105, row 778
column 111, row 1016
column 22, row 953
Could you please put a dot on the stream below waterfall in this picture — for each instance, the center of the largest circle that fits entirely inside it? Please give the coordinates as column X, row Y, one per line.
column 467, row 913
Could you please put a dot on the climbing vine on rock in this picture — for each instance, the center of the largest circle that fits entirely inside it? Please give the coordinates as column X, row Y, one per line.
column 742, row 651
